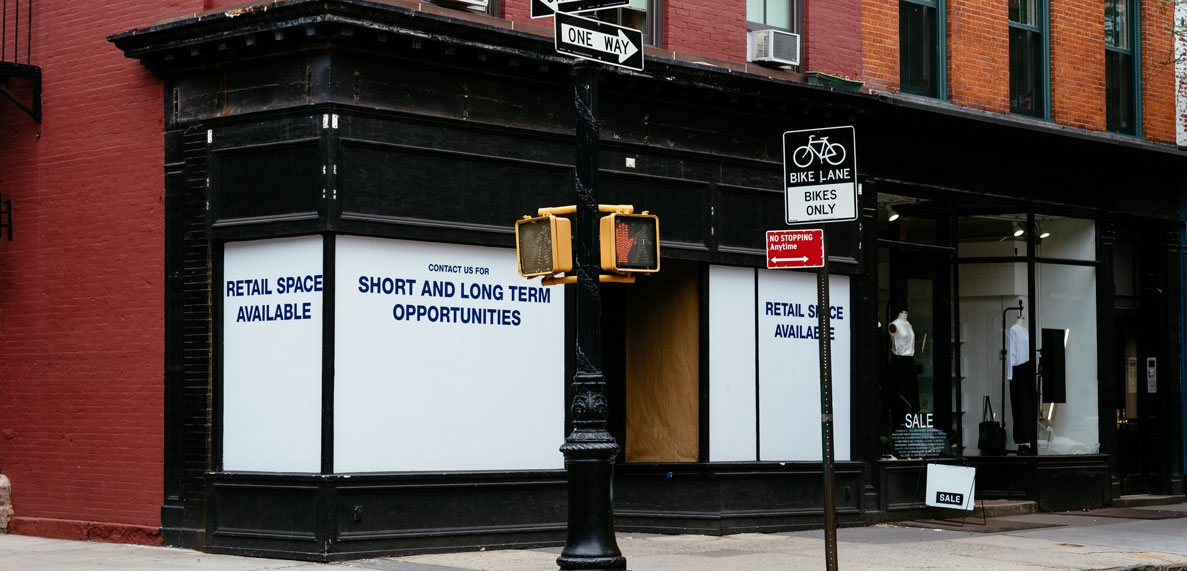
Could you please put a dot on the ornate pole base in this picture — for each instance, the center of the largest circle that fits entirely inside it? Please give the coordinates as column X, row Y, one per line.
column 590, row 543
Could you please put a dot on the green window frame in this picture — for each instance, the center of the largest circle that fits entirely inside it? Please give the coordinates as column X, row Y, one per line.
column 923, row 48
column 774, row 14
column 643, row 15
column 1123, row 70
column 1030, row 61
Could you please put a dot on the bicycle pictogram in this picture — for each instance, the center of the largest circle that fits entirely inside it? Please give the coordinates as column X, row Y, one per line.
column 832, row 153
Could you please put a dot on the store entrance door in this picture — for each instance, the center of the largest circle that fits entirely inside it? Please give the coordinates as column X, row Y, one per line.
column 1136, row 415
column 920, row 285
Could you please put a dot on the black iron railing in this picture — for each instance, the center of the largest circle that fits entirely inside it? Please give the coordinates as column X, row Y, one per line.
column 16, row 31
column 16, row 49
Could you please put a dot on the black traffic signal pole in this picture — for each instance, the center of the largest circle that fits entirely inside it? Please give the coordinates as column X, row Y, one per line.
column 589, row 449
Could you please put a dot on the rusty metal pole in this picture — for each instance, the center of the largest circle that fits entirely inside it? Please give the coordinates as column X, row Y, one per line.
column 824, row 339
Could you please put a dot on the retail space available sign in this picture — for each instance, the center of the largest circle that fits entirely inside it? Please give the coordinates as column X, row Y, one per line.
column 820, row 175
column 272, row 315
column 950, row 486
column 795, row 249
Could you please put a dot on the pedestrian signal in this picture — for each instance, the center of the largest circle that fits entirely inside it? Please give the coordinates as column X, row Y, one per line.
column 543, row 245
column 630, row 243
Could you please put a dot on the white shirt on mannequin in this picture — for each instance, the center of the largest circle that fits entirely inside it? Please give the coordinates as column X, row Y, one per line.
column 902, row 336
column 1017, row 347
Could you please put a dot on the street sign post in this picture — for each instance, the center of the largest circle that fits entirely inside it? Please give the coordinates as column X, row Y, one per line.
column 820, row 175
column 598, row 41
column 546, row 8
column 795, row 249
column 820, row 184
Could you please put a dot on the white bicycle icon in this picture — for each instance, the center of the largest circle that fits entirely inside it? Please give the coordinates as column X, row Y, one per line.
column 833, row 153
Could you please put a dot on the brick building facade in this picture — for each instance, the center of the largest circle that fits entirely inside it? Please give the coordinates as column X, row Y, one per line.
column 113, row 407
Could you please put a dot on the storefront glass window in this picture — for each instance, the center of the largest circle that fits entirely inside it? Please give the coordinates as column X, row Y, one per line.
column 1040, row 378
column 915, row 315
column 1065, row 238
column 992, row 235
column 990, row 298
column 1067, row 352
column 904, row 219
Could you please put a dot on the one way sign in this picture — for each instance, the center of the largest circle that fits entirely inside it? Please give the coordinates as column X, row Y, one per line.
column 599, row 41
column 546, row 8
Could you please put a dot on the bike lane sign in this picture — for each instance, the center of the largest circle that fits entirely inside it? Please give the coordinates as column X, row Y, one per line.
column 820, row 175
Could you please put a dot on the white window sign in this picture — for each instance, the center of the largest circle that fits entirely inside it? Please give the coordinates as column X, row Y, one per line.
column 446, row 359
column 272, row 346
column 764, row 365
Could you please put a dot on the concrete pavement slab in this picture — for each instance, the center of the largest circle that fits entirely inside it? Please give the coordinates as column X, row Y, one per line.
column 26, row 553
column 1165, row 536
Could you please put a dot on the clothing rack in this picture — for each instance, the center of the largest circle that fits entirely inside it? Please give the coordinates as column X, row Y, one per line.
column 1004, row 330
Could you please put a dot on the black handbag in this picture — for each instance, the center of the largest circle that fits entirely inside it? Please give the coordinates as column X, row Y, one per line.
column 991, row 438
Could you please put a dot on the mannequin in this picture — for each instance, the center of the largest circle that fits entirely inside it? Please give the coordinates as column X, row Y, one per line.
column 904, row 382
column 902, row 336
column 1021, row 376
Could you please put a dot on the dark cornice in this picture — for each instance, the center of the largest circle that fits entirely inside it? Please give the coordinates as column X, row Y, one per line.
column 397, row 29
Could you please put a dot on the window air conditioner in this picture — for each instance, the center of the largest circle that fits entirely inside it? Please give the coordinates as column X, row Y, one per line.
column 468, row 5
column 773, row 46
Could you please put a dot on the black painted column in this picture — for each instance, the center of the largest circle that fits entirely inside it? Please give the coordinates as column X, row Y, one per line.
column 589, row 449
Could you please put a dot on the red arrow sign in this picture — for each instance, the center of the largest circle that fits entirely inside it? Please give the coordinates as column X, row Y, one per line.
column 795, row 249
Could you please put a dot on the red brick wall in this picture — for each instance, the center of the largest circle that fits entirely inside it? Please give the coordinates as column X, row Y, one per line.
column 81, row 283
column 1158, row 77
column 521, row 11
column 1077, row 37
column 833, row 37
column 711, row 28
column 979, row 54
column 880, row 44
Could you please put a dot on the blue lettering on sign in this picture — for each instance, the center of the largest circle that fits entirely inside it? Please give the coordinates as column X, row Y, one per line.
column 464, row 315
column 482, row 291
column 790, row 309
column 274, row 312
column 530, row 294
column 298, row 284
column 447, row 289
column 794, row 331
column 438, row 289
column 240, row 288
column 388, row 286
column 805, row 311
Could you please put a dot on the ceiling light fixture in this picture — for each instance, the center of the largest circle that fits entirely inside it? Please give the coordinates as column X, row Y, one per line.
column 1018, row 231
column 893, row 215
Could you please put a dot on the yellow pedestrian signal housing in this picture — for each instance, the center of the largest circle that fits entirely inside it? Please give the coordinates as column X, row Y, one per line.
column 630, row 243
column 543, row 245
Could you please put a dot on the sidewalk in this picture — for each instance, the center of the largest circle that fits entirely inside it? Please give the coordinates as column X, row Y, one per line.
column 1112, row 539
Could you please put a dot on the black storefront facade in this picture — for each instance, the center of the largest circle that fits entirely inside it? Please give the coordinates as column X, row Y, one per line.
column 368, row 161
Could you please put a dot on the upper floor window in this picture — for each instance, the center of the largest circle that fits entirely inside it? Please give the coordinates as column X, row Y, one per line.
column 642, row 15
column 922, row 47
column 782, row 14
column 1028, row 58
column 1121, row 72
column 488, row 7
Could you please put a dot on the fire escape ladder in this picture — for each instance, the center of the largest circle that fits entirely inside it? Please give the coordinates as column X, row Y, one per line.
column 16, row 43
